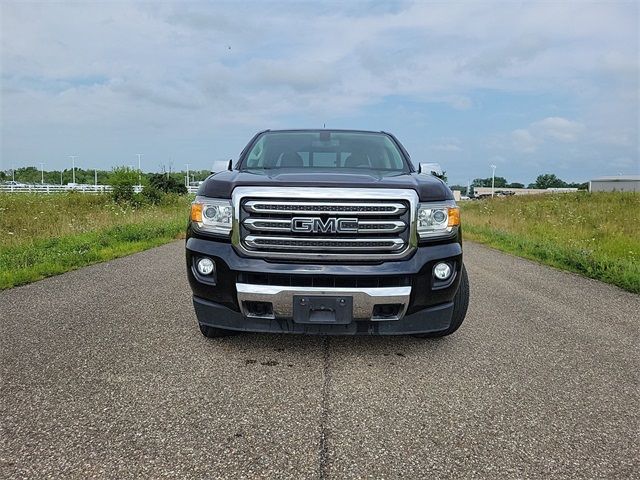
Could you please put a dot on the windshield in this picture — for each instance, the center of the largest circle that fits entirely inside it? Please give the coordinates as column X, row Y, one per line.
column 325, row 151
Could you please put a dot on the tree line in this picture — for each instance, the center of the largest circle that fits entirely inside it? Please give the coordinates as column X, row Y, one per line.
column 544, row 181
column 32, row 175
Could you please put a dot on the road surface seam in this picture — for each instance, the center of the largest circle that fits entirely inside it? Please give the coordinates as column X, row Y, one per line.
column 324, row 414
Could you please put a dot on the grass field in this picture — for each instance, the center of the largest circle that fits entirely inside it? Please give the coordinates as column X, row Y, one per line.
column 597, row 235
column 44, row 235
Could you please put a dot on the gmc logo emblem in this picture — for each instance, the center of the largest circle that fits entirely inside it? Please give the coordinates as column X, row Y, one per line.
column 330, row 225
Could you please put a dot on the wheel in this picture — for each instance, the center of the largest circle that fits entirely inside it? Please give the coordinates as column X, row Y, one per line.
column 460, row 305
column 213, row 332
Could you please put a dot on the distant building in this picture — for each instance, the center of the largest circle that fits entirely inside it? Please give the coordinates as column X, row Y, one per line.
column 621, row 183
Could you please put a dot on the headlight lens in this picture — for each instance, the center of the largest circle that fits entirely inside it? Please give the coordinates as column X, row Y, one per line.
column 212, row 215
column 437, row 220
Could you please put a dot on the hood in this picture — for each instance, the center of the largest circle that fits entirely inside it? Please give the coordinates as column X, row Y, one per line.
column 222, row 184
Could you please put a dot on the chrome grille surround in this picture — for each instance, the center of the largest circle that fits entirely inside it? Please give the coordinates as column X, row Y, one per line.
column 266, row 214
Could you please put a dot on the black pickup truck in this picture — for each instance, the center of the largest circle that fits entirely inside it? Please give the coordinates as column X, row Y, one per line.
column 326, row 232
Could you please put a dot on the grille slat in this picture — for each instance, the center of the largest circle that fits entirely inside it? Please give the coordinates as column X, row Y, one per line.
column 342, row 208
column 280, row 225
column 291, row 243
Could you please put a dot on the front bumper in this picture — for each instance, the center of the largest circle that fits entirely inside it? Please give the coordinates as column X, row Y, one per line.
column 426, row 305
column 434, row 319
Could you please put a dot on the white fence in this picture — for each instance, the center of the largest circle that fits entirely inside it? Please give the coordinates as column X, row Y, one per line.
column 66, row 188
column 486, row 191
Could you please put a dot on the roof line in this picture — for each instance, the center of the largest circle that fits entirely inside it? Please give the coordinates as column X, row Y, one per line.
column 286, row 130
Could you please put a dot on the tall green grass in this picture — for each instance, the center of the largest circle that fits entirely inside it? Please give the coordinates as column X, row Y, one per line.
column 594, row 234
column 44, row 235
column 597, row 235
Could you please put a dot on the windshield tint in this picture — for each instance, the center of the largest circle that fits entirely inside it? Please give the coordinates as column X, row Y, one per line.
column 325, row 150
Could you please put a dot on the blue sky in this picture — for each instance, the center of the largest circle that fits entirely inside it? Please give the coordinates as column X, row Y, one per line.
column 530, row 87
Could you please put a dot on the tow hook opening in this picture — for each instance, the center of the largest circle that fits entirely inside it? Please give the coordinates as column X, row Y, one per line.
column 387, row 311
column 258, row 309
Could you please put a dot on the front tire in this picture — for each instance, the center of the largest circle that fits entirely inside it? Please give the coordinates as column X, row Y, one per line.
column 460, row 305
column 213, row 332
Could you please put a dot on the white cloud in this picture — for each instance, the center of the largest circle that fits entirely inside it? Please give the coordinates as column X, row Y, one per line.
column 524, row 141
column 527, row 140
column 497, row 59
column 448, row 144
column 558, row 128
column 446, row 147
column 459, row 102
column 344, row 56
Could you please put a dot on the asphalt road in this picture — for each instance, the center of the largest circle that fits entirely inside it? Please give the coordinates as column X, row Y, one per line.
column 105, row 374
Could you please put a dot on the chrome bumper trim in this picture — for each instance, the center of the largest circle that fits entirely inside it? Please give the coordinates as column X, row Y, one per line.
column 281, row 297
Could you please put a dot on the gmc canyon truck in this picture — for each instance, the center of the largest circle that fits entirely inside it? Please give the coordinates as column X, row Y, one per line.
column 326, row 232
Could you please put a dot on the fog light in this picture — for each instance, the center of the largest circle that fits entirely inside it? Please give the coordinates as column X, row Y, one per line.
column 205, row 266
column 442, row 271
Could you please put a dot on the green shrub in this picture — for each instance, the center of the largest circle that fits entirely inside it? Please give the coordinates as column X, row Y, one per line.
column 167, row 184
column 122, row 180
column 151, row 195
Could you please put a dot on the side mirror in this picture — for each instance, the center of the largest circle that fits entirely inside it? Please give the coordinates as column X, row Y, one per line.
column 230, row 166
column 430, row 169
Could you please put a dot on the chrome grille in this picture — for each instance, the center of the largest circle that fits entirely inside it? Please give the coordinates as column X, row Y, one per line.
column 293, row 224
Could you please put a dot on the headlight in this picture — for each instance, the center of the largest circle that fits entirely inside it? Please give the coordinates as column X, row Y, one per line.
column 212, row 215
column 437, row 220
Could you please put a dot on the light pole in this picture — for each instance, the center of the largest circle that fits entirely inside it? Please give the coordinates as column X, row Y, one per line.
column 493, row 179
column 187, row 183
column 95, row 177
column 139, row 155
column 73, row 168
column 41, row 173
